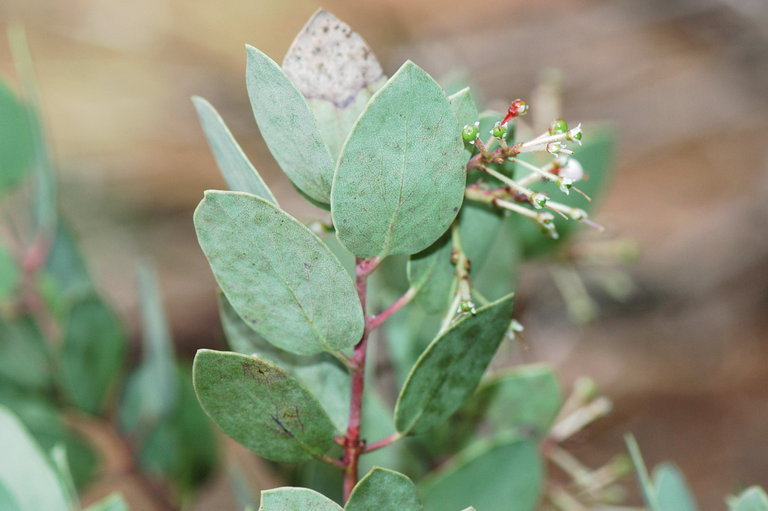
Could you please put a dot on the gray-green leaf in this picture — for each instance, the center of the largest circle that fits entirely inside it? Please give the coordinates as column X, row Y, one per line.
column 113, row 502
column 295, row 499
column 400, row 179
column 384, row 490
column 17, row 140
column 288, row 127
column 91, row 354
column 262, row 407
column 279, row 277
column 158, row 365
column 451, row 367
column 501, row 475
column 25, row 472
column 751, row 499
column 237, row 170
column 525, row 399
column 465, row 110
column 672, row 492
column 336, row 71
column 322, row 374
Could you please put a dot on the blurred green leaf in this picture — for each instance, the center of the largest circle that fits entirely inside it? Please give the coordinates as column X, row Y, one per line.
column 182, row 446
column 498, row 276
column 294, row 499
column 643, row 478
column 158, row 367
column 499, row 475
column 279, row 277
column 17, row 140
column 288, row 127
column 238, row 172
column 113, row 502
column 65, row 272
column 384, row 490
column 44, row 421
column 672, row 492
column 451, row 367
column 336, row 70
column 25, row 473
column 262, row 407
column 23, row 355
column 400, row 178
column 7, row 500
column 9, row 274
column 91, row 354
column 44, row 206
column 525, row 400
column 751, row 499
column 59, row 458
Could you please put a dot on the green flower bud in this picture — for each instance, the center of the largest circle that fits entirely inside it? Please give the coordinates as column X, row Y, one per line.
column 557, row 127
column 499, row 130
column 470, row 132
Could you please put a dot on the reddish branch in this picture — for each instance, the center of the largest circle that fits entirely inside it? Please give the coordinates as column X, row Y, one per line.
column 353, row 445
column 398, row 304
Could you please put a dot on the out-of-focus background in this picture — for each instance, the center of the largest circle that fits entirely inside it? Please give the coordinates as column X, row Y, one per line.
column 685, row 82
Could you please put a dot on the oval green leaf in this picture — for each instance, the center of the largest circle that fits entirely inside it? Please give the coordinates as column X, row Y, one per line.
column 29, row 479
column 279, row 276
column 465, row 110
column 323, row 374
column 525, row 400
column 500, row 475
column 237, row 170
column 451, row 367
column 91, row 354
column 384, row 490
column 672, row 492
column 113, row 502
column 17, row 141
column 400, row 179
column 288, row 127
column 751, row 499
column 294, row 499
column 261, row 406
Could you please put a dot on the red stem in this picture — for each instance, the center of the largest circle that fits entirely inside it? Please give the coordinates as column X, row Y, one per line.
column 353, row 446
column 389, row 440
column 398, row 304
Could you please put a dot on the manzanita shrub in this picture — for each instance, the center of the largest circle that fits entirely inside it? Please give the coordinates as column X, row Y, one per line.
column 405, row 286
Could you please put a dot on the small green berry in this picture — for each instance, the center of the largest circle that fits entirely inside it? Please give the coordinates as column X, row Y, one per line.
column 470, row 132
column 558, row 127
column 499, row 130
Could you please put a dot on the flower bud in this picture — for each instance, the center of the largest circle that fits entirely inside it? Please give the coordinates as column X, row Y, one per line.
column 470, row 132
column 575, row 134
column 558, row 127
column 572, row 170
column 499, row 130
column 539, row 200
column 516, row 109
